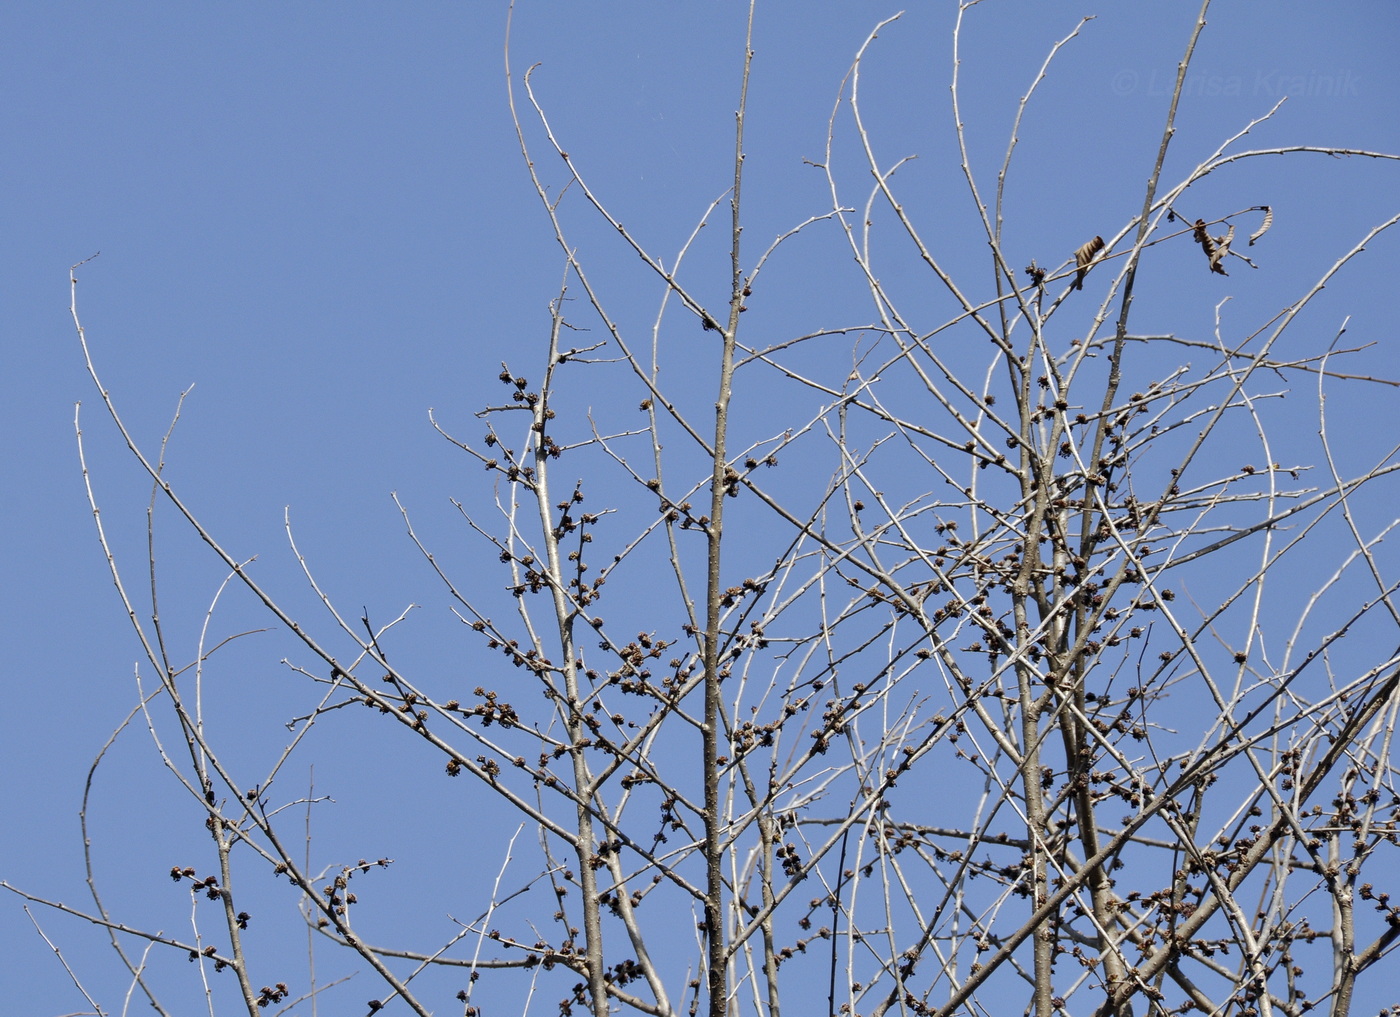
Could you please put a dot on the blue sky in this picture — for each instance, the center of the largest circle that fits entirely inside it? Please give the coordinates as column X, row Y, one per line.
column 318, row 217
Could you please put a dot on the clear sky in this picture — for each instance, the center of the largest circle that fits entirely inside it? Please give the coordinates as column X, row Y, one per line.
column 317, row 216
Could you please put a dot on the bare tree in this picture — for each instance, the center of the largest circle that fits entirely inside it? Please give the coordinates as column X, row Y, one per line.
column 988, row 678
